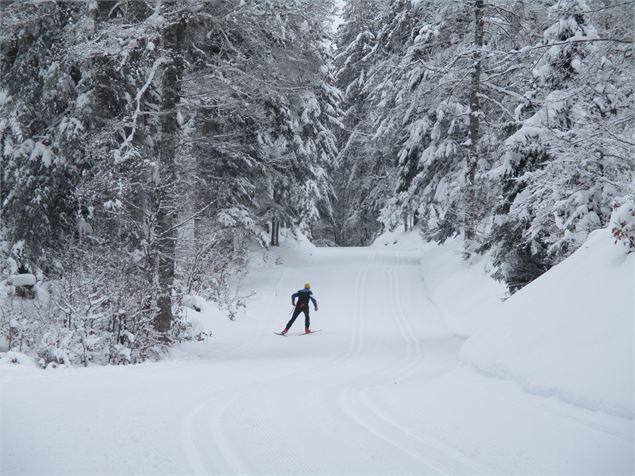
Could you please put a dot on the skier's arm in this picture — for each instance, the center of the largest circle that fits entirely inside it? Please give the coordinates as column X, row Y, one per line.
column 294, row 296
column 314, row 303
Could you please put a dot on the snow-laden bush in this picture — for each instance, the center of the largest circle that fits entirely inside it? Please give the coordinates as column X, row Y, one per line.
column 212, row 268
column 97, row 306
column 17, row 358
column 623, row 222
column 94, row 309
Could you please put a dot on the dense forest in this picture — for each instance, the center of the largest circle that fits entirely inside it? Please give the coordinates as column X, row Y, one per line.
column 146, row 145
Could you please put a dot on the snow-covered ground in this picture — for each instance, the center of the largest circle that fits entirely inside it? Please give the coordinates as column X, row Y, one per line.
column 569, row 334
column 381, row 389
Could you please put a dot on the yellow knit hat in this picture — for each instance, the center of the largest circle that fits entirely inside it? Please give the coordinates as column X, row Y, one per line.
column 307, row 286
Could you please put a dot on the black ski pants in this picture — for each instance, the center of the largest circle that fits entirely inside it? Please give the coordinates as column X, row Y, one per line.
column 299, row 308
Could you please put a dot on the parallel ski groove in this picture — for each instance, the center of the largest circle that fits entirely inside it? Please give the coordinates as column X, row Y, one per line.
column 357, row 405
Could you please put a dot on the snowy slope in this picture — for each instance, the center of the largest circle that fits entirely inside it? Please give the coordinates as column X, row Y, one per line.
column 379, row 391
column 570, row 332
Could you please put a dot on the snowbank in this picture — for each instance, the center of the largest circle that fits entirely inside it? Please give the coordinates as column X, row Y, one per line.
column 569, row 333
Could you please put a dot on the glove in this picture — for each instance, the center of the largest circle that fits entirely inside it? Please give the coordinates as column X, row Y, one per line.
column 316, row 308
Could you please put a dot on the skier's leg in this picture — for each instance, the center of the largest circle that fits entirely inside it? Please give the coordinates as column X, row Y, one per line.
column 307, row 320
column 296, row 313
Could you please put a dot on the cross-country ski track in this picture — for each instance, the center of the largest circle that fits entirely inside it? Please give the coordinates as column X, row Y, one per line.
column 380, row 390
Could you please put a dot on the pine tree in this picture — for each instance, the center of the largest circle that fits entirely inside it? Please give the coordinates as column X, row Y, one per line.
column 357, row 49
column 559, row 176
column 43, row 128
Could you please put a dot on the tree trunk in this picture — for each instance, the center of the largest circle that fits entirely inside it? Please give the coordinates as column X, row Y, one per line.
column 275, row 232
column 469, row 222
column 171, row 92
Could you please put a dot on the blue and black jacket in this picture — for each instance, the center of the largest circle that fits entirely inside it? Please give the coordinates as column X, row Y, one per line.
column 303, row 296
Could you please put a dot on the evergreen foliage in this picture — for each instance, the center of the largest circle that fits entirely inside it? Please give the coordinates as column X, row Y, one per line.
column 549, row 83
column 143, row 146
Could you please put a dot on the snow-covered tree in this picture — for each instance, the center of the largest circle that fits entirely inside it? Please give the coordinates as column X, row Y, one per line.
column 44, row 111
column 356, row 181
column 432, row 96
column 569, row 158
column 502, row 121
column 264, row 122
column 158, row 138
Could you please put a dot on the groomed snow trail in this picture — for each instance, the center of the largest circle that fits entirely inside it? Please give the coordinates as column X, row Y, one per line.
column 379, row 391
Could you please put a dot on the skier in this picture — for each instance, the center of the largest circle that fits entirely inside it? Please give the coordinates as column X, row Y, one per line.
column 303, row 296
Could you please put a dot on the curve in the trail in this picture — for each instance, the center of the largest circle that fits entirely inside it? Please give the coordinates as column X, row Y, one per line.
column 383, row 346
column 436, row 456
column 193, row 454
column 351, row 397
column 378, row 422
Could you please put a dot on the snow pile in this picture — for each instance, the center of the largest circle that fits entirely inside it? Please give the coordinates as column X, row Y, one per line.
column 570, row 332
column 202, row 314
column 193, row 302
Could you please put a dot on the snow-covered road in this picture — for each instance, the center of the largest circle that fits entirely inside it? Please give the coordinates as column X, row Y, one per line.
column 379, row 390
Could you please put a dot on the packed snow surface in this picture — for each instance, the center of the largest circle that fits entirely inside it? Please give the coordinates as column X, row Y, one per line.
column 380, row 390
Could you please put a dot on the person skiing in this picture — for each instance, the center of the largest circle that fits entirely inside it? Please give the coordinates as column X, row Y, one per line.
column 303, row 296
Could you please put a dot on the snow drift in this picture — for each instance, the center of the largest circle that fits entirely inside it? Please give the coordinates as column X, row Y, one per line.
column 570, row 332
